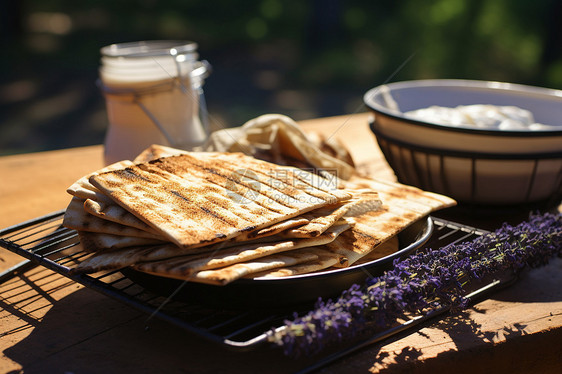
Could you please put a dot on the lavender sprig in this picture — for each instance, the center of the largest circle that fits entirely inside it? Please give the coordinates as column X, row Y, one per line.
column 425, row 280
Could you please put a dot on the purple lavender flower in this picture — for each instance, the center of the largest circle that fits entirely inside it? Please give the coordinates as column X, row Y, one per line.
column 425, row 280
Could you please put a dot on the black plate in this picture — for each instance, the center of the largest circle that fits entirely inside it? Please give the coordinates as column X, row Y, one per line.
column 287, row 291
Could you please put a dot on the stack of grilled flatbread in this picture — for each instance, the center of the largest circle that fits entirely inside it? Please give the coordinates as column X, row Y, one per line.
column 216, row 217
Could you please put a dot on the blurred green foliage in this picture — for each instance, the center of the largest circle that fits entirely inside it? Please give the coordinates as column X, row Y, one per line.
column 303, row 59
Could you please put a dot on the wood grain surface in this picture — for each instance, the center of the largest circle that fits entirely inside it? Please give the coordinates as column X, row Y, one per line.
column 49, row 324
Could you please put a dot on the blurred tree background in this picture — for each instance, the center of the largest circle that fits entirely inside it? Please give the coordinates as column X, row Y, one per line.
column 300, row 58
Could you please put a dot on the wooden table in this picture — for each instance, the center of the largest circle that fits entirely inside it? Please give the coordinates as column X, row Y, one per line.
column 50, row 324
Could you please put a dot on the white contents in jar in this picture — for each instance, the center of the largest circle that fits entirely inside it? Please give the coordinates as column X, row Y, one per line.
column 480, row 116
column 152, row 97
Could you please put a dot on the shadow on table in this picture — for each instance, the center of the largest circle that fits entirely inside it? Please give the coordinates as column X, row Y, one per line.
column 86, row 332
column 523, row 352
column 475, row 346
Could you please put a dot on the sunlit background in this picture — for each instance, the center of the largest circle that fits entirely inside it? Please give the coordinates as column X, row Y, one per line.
column 304, row 59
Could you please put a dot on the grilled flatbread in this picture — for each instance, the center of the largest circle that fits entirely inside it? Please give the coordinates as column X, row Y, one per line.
column 185, row 266
column 118, row 259
column 314, row 223
column 192, row 211
column 99, row 242
column 402, row 206
column 280, row 184
column 325, row 260
column 75, row 217
column 157, row 151
column 322, row 218
column 112, row 212
column 83, row 189
column 216, row 217
column 392, row 193
column 169, row 259
column 230, row 273
column 272, row 230
column 294, row 177
column 384, row 249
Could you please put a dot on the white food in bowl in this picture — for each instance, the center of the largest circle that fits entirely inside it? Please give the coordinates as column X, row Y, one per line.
column 473, row 164
column 482, row 116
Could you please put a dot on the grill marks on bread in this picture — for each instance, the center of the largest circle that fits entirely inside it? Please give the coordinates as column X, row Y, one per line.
column 76, row 218
column 181, row 214
column 281, row 187
column 282, row 177
column 191, row 206
column 189, row 267
column 115, row 213
column 217, row 182
column 221, row 216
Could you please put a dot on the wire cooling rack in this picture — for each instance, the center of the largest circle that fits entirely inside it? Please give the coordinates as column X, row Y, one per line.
column 44, row 241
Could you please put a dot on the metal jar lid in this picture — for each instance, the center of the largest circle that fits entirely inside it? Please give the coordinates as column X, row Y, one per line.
column 151, row 48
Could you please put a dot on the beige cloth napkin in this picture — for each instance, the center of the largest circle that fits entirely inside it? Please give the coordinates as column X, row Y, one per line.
column 279, row 139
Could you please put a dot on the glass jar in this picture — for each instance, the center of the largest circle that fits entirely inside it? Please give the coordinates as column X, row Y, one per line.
column 154, row 95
